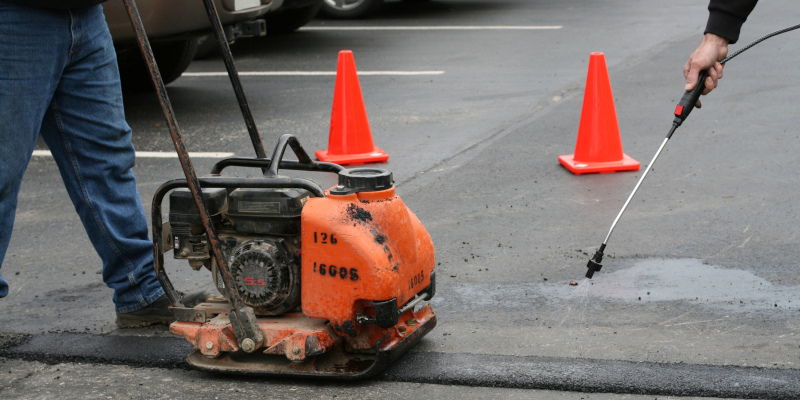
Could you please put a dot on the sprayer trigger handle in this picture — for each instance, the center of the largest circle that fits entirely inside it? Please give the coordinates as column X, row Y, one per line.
column 689, row 99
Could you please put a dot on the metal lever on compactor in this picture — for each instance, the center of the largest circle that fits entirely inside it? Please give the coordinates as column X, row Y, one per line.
column 243, row 319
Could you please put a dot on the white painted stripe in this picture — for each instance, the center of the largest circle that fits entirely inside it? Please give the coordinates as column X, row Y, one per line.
column 310, row 73
column 434, row 28
column 153, row 154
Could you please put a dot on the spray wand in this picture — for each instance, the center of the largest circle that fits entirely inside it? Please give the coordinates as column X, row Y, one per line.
column 682, row 110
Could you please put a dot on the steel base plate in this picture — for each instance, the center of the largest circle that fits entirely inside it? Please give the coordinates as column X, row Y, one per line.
column 335, row 364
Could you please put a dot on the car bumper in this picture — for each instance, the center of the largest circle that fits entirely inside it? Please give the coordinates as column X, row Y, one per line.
column 165, row 19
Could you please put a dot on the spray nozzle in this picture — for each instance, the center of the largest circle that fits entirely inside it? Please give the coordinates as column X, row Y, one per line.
column 594, row 264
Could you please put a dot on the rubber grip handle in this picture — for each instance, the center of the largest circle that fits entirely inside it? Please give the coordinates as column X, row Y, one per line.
column 689, row 99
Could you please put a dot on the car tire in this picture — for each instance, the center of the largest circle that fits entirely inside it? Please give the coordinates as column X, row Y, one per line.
column 289, row 20
column 354, row 8
column 173, row 58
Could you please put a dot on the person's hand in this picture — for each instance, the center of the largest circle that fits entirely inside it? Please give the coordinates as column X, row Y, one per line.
column 706, row 57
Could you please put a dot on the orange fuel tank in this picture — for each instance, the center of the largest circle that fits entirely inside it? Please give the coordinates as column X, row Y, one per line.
column 364, row 253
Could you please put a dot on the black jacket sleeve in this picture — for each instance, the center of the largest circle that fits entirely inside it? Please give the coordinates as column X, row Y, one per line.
column 727, row 16
column 59, row 3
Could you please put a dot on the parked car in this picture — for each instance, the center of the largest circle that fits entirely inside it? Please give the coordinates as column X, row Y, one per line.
column 175, row 29
column 284, row 16
column 289, row 15
column 349, row 9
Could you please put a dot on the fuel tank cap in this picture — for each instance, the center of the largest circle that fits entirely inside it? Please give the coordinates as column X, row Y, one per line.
column 357, row 180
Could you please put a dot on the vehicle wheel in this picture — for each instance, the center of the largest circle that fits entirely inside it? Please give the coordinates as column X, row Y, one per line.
column 289, row 20
column 172, row 58
column 348, row 9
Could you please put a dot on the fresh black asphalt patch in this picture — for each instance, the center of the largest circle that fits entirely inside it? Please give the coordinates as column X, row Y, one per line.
column 136, row 351
column 484, row 370
column 588, row 375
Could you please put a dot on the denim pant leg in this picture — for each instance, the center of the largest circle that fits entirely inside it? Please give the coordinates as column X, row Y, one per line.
column 30, row 64
column 84, row 127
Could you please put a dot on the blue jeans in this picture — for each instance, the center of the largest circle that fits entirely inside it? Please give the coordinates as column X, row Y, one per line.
column 59, row 78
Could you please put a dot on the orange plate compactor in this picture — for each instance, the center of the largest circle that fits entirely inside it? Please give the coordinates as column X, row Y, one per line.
column 330, row 283
column 312, row 282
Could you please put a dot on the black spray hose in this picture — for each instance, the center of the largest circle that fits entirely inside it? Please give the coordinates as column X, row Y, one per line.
column 757, row 41
column 682, row 110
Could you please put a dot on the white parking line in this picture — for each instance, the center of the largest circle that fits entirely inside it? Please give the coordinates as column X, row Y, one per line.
column 433, row 28
column 152, row 154
column 310, row 73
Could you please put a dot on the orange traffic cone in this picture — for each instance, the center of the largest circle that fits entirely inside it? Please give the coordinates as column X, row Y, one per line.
column 350, row 139
column 599, row 147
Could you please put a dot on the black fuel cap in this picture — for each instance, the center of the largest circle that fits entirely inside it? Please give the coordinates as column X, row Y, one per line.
column 363, row 180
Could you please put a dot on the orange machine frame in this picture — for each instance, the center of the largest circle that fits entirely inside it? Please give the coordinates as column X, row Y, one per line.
column 361, row 248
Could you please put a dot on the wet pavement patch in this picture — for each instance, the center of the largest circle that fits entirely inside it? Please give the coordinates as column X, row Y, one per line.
column 688, row 279
column 627, row 281
column 484, row 370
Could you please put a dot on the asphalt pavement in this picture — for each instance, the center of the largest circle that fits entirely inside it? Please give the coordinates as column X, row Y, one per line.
column 698, row 295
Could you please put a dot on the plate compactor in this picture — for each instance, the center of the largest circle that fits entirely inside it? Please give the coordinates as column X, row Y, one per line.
column 330, row 279
column 312, row 282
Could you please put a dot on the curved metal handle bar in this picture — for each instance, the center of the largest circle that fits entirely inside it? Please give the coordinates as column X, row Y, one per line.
column 263, row 163
column 280, row 148
column 180, row 148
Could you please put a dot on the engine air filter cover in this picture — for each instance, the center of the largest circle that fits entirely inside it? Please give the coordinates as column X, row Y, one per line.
column 182, row 208
column 267, row 211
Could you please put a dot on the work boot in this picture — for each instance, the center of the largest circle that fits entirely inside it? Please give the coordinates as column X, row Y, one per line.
column 157, row 312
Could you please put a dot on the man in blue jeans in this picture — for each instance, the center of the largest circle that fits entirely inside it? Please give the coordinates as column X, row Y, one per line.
column 59, row 78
